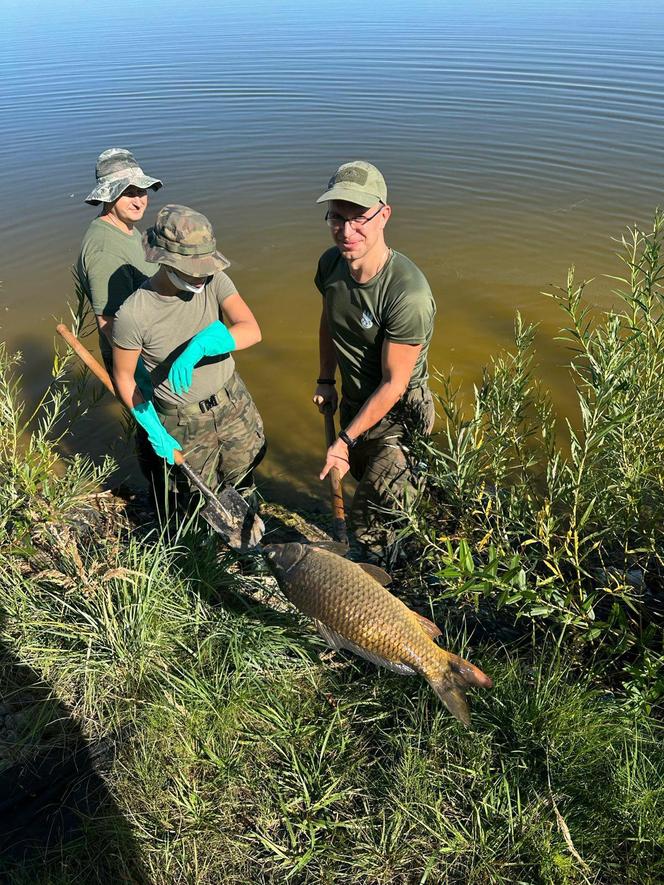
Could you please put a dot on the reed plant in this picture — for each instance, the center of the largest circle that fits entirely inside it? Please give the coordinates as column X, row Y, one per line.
column 563, row 524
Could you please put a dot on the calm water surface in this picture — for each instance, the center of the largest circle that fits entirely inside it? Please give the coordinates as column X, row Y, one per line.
column 516, row 140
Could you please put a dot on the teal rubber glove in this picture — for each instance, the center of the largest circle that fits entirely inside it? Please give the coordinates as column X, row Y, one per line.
column 160, row 439
column 213, row 340
column 143, row 380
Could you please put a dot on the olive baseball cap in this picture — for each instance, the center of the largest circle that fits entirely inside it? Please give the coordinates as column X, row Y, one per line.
column 356, row 182
column 183, row 239
column 116, row 170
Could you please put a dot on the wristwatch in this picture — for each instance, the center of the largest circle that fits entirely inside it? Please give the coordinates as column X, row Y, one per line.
column 343, row 436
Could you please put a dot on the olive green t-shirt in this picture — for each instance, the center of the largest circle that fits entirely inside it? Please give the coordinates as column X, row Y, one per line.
column 111, row 266
column 161, row 326
column 395, row 305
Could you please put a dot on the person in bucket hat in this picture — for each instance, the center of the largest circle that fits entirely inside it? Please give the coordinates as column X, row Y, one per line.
column 117, row 170
column 185, row 321
column 111, row 263
column 375, row 328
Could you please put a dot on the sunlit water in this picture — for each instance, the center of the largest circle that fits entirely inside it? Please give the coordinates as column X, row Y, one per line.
column 516, row 140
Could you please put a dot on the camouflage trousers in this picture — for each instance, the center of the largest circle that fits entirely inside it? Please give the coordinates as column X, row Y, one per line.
column 382, row 464
column 223, row 445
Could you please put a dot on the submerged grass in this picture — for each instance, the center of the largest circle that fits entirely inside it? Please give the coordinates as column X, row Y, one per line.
column 243, row 751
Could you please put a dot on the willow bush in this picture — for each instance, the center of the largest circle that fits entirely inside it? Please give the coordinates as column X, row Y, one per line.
column 563, row 523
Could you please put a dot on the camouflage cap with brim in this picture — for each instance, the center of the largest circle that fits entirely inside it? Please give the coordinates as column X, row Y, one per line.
column 117, row 170
column 183, row 238
column 357, row 182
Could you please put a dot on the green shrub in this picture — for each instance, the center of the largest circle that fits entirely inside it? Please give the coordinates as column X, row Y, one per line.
column 565, row 526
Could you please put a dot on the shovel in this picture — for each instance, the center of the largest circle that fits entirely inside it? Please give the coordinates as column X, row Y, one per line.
column 227, row 512
column 336, row 492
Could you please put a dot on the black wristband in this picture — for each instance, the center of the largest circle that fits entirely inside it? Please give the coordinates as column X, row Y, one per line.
column 325, row 381
column 343, row 436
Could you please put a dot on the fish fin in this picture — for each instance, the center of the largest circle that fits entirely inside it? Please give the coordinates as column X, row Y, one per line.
column 328, row 635
column 377, row 573
column 431, row 629
column 450, row 681
column 331, row 546
column 470, row 674
column 338, row 642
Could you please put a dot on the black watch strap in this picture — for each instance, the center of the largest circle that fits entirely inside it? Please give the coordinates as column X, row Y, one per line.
column 343, row 436
column 325, row 381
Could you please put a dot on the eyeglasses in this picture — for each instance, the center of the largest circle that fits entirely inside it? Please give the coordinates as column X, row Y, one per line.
column 336, row 221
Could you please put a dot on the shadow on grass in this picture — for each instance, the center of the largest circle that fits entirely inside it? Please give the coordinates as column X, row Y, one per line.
column 58, row 820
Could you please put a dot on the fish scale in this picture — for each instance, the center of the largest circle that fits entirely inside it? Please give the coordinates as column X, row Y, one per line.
column 354, row 611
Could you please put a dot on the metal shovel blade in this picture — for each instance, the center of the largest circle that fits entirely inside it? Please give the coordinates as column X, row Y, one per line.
column 233, row 519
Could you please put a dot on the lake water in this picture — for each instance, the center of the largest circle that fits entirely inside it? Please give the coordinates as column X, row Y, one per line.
column 516, row 140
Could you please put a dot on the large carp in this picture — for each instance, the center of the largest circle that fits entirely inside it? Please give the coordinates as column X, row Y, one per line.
column 352, row 609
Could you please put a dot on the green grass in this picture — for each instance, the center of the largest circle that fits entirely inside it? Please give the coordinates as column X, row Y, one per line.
column 248, row 758
column 241, row 750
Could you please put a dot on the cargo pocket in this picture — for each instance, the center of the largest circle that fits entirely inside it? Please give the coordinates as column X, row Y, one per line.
column 418, row 411
column 249, row 435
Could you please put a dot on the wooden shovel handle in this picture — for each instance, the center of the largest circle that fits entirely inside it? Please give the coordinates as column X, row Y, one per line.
column 97, row 369
column 81, row 351
column 336, row 490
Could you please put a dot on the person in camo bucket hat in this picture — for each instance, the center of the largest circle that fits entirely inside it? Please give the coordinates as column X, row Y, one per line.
column 117, row 170
column 184, row 322
column 376, row 325
column 183, row 239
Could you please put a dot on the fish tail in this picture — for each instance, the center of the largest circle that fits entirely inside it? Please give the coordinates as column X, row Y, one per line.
column 449, row 683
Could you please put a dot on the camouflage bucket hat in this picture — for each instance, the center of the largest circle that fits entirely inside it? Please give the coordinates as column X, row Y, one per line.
column 116, row 170
column 183, row 238
column 356, row 182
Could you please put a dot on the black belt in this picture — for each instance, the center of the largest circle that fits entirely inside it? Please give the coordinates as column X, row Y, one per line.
column 202, row 406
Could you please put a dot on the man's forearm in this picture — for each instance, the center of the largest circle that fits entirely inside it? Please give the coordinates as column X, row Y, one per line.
column 105, row 325
column 375, row 408
column 326, row 350
column 127, row 389
column 384, row 397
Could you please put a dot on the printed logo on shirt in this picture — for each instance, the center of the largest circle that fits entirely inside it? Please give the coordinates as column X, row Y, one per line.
column 366, row 320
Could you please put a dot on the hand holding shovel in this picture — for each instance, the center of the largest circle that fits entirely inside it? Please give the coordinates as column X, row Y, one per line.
column 336, row 491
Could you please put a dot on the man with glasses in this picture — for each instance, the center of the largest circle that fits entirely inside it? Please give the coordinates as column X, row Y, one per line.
column 376, row 326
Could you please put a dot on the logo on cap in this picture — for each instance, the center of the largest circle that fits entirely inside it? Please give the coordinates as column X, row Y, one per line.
column 350, row 173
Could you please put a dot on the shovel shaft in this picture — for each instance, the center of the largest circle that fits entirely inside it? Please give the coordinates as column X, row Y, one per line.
column 81, row 351
column 336, row 490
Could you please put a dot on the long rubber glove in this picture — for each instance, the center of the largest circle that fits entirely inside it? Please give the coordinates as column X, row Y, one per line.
column 213, row 340
column 160, row 439
column 143, row 380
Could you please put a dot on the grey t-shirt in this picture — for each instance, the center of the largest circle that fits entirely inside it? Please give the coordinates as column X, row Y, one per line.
column 161, row 326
